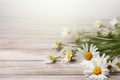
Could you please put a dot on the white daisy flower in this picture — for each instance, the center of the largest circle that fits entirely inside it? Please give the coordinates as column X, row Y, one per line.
column 114, row 22
column 67, row 58
column 66, row 31
column 103, row 29
column 66, row 50
column 114, row 66
column 88, row 53
column 57, row 45
column 50, row 59
column 98, row 24
column 68, row 53
column 116, row 61
column 97, row 70
column 70, row 35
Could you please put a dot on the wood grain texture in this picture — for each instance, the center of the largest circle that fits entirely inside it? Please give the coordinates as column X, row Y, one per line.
column 30, row 65
column 49, row 77
column 38, row 32
column 39, row 68
column 26, row 42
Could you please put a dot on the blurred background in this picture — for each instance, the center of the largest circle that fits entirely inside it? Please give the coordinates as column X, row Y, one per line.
column 36, row 24
column 58, row 8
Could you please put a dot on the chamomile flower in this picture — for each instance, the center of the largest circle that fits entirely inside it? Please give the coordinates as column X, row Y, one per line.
column 88, row 53
column 97, row 70
column 66, row 31
column 102, row 29
column 66, row 50
column 67, row 54
column 116, row 61
column 57, row 45
column 114, row 66
column 50, row 59
column 98, row 24
column 67, row 58
column 70, row 35
column 114, row 22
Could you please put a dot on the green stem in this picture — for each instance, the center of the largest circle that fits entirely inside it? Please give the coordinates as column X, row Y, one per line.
column 101, row 38
column 71, row 45
column 57, row 57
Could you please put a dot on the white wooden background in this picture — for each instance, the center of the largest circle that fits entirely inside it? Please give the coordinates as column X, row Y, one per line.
column 25, row 42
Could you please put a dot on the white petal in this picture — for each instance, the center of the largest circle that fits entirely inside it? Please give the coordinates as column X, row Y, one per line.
column 103, row 56
column 88, row 72
column 102, row 77
column 94, row 62
column 114, row 21
column 84, row 48
column 64, row 61
column 48, row 61
column 93, row 77
column 95, row 49
column 105, row 72
column 91, row 47
column 80, row 51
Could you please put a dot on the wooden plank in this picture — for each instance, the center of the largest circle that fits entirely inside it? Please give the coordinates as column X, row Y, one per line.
column 38, row 68
column 25, row 46
column 26, row 42
column 38, row 32
column 33, row 69
column 7, row 31
column 22, row 62
column 39, row 77
column 49, row 77
column 44, row 43
column 25, row 54
column 29, row 64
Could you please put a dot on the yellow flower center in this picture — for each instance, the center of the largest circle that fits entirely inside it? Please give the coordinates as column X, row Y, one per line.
column 51, row 58
column 88, row 55
column 118, row 64
column 57, row 43
column 68, row 56
column 97, row 70
column 68, row 31
column 98, row 24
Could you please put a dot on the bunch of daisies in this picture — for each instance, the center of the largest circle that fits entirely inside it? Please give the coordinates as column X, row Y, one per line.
column 95, row 66
column 97, row 51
